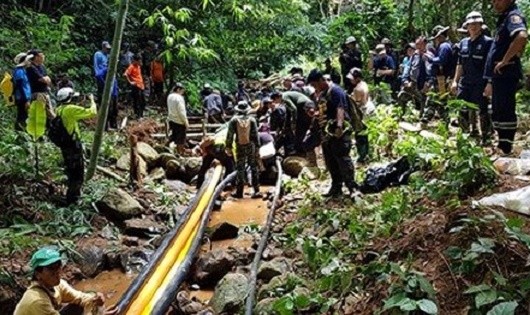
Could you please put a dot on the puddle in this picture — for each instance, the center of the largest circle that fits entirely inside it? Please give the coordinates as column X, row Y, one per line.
column 111, row 283
column 240, row 212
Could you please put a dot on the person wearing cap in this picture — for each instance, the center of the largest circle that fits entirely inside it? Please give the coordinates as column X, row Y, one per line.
column 469, row 82
column 383, row 66
column 177, row 117
column 362, row 107
column 101, row 67
column 72, row 151
column 136, row 82
column 335, row 110
column 206, row 90
column 416, row 81
column 21, row 89
column 350, row 57
column 503, row 71
column 48, row 294
column 213, row 107
column 243, row 139
column 39, row 81
column 331, row 71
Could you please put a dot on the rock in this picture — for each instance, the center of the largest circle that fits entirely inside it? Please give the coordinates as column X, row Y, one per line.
column 163, row 158
column 113, row 259
column 175, row 170
column 175, row 185
column 280, row 282
column 293, row 165
column 230, row 294
column 265, row 306
column 213, row 266
column 518, row 200
column 156, row 175
column 135, row 259
column 119, row 205
column 124, row 164
column 310, row 173
column 277, row 266
column 512, row 166
column 148, row 154
column 161, row 149
column 223, row 231
column 130, row 241
column 143, row 227
column 192, row 165
column 91, row 258
column 188, row 306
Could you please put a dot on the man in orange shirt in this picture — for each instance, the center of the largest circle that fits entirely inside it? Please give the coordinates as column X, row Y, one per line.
column 157, row 77
column 134, row 77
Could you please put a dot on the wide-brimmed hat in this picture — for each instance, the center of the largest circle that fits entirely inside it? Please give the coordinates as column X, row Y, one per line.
column 242, row 107
column 474, row 17
column 350, row 40
column 44, row 257
column 438, row 30
column 21, row 59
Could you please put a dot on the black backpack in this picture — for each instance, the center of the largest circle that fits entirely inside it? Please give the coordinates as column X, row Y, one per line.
column 58, row 134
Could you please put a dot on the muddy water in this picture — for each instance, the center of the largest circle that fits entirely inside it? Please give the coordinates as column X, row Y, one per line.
column 111, row 283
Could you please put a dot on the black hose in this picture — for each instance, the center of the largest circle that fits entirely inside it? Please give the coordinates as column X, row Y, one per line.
column 139, row 281
column 168, row 296
column 262, row 243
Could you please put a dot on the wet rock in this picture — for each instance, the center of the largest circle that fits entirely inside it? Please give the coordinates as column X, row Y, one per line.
column 513, row 166
column 213, row 266
column 124, row 164
column 143, row 227
column 518, row 200
column 223, row 231
column 175, row 170
column 293, row 165
column 113, row 259
column 265, row 306
column 91, row 258
column 135, row 259
column 148, row 154
column 130, row 241
column 156, row 175
column 175, row 185
column 188, row 306
column 108, row 233
column 192, row 165
column 273, row 268
column 310, row 173
column 117, row 204
column 230, row 294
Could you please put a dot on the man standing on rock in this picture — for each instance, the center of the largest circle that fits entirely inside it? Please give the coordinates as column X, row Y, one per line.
column 503, row 71
column 334, row 107
column 244, row 129
column 177, row 117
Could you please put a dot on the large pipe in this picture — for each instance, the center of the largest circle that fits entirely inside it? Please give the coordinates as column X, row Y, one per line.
column 262, row 243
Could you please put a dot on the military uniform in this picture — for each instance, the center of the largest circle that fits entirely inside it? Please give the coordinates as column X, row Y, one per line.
column 472, row 58
column 504, row 85
column 246, row 146
column 349, row 58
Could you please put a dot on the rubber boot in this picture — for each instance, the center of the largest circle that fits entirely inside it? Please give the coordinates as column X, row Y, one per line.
column 257, row 194
column 239, row 192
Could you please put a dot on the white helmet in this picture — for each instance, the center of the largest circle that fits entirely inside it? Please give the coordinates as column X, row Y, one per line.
column 65, row 94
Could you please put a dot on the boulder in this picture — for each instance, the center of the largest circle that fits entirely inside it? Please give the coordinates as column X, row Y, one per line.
column 156, row 175
column 192, row 165
column 512, row 166
column 223, row 231
column 117, row 204
column 518, row 200
column 187, row 306
column 277, row 266
column 91, row 258
column 124, row 164
column 213, row 266
column 230, row 294
column 148, row 154
column 310, row 173
column 280, row 282
column 265, row 306
column 143, row 227
column 163, row 158
column 135, row 259
column 293, row 165
column 175, row 170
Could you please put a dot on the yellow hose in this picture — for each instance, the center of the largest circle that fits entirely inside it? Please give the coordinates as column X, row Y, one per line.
column 150, row 292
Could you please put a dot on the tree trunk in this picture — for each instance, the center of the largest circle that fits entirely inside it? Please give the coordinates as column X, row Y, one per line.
column 410, row 26
column 104, row 106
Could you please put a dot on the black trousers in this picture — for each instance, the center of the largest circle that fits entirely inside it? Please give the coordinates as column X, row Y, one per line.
column 138, row 99
column 338, row 161
column 74, row 168
column 503, row 116
column 112, row 115
column 218, row 153
column 22, row 115
column 473, row 94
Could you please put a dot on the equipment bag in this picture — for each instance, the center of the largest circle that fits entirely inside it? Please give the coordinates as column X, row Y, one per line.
column 7, row 87
column 243, row 131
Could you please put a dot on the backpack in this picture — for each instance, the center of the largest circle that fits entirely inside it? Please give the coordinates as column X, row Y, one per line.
column 243, row 130
column 58, row 134
column 7, row 87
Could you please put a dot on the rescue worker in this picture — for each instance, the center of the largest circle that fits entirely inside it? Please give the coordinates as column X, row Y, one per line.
column 416, row 78
column 331, row 71
column 443, row 66
column 213, row 148
column 362, row 107
column 349, row 58
column 213, row 107
column 280, row 122
column 136, row 82
column 48, row 294
column 389, row 48
column 384, row 66
column 101, row 67
column 177, row 117
column 21, row 89
column 72, row 150
column 297, row 102
column 334, row 106
column 242, row 94
column 243, row 134
column 157, row 78
column 503, row 71
column 469, row 82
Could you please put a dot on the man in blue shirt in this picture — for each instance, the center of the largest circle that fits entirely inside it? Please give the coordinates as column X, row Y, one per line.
column 503, row 71
column 468, row 83
column 22, row 89
column 416, row 78
column 101, row 67
column 334, row 109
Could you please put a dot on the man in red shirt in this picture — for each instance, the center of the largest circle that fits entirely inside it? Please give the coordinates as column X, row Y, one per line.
column 134, row 77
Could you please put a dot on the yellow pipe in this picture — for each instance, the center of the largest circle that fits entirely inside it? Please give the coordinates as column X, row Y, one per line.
column 143, row 302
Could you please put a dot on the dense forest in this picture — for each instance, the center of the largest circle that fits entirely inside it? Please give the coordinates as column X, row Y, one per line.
column 441, row 239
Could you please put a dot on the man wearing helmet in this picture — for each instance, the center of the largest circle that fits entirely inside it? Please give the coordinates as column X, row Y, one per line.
column 69, row 114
